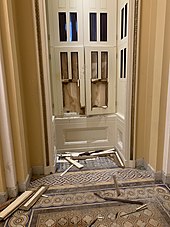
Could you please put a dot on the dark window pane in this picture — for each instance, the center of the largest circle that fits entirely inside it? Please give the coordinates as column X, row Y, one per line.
column 62, row 27
column 125, row 59
column 121, row 64
column 93, row 27
column 122, row 22
column 74, row 65
column 103, row 27
column 104, row 65
column 73, row 27
column 126, row 20
column 64, row 65
column 94, row 65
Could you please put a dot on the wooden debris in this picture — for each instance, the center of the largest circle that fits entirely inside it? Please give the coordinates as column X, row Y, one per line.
column 15, row 205
column 143, row 207
column 5, row 204
column 67, row 170
column 34, row 198
column 117, row 159
column 118, row 199
column 116, row 186
column 94, row 221
column 74, row 162
column 45, row 196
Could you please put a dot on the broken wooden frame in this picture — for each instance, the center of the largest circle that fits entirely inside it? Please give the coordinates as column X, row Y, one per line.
column 24, row 202
column 15, row 205
column 73, row 158
column 34, row 198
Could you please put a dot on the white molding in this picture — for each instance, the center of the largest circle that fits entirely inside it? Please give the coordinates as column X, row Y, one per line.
column 166, row 156
column 6, row 131
column 129, row 107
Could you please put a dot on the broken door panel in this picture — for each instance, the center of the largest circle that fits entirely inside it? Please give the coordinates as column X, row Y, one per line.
column 100, row 80
column 68, row 68
column 71, row 98
column 99, row 92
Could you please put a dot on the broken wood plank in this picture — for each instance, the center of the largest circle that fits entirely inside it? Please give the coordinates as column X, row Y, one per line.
column 117, row 159
column 116, row 186
column 66, row 170
column 118, row 199
column 15, row 205
column 34, row 198
column 5, row 204
column 143, row 207
column 74, row 162
column 95, row 220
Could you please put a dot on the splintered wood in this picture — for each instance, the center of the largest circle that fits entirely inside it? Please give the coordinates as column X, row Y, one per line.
column 99, row 92
column 71, row 97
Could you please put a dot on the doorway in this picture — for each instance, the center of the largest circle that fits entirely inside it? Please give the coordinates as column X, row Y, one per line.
column 92, row 48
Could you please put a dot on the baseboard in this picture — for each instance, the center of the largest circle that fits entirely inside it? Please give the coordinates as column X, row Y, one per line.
column 50, row 169
column 158, row 175
column 12, row 192
column 3, row 197
column 37, row 170
column 166, row 178
column 23, row 186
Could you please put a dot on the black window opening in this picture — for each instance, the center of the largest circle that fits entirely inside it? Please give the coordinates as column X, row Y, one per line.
column 73, row 27
column 124, row 22
column 62, row 26
column 103, row 27
column 123, row 63
column 93, row 26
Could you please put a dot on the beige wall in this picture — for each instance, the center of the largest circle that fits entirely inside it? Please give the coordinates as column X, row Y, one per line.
column 24, row 29
column 152, row 86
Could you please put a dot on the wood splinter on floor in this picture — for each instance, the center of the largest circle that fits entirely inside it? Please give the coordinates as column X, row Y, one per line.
column 116, row 186
column 94, row 221
column 143, row 207
column 74, row 162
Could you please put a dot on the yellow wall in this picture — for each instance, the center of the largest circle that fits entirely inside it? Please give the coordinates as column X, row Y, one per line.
column 152, row 83
column 29, row 79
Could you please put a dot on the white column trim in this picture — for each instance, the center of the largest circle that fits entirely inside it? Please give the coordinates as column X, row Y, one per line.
column 166, row 156
column 6, row 134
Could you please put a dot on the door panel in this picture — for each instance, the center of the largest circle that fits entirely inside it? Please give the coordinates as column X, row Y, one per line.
column 100, row 80
column 68, row 71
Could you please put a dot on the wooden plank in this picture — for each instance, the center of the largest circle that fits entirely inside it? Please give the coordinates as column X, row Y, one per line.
column 5, row 204
column 15, row 205
column 116, row 186
column 75, row 163
column 34, row 198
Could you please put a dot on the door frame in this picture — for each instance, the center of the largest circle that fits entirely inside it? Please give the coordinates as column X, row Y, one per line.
column 41, row 39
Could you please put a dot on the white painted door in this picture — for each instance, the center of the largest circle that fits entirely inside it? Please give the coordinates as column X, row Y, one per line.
column 83, row 56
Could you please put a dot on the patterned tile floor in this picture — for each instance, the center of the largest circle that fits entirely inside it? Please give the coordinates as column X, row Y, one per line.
column 90, row 178
column 81, row 208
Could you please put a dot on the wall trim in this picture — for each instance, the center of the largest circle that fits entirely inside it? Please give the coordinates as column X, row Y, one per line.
column 23, row 186
column 40, row 28
column 159, row 176
column 3, row 197
column 38, row 170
